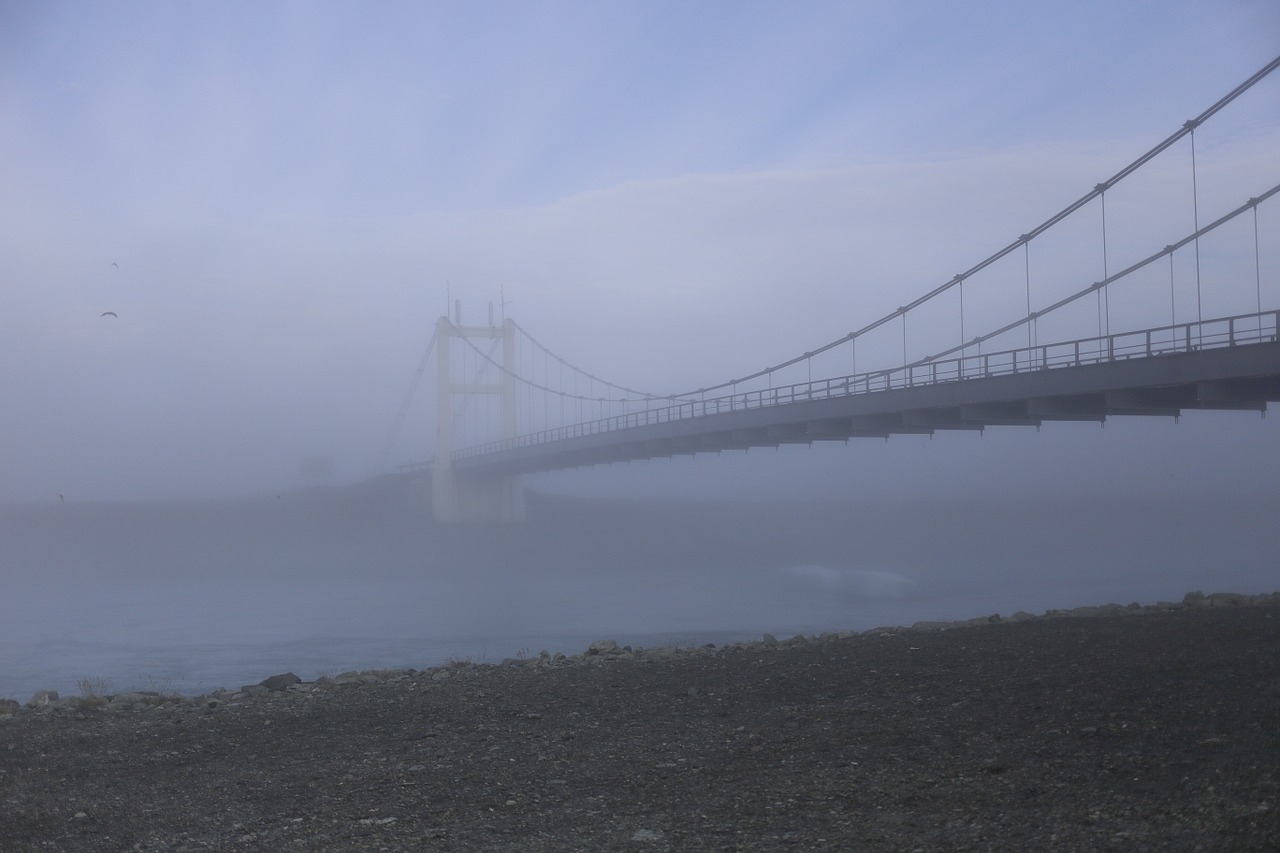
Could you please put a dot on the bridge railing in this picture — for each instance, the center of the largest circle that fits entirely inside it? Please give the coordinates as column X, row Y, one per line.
column 1243, row 329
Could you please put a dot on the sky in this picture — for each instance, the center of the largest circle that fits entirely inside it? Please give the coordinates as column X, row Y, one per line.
column 277, row 200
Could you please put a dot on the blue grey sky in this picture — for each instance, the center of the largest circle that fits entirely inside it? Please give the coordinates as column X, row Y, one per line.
column 274, row 197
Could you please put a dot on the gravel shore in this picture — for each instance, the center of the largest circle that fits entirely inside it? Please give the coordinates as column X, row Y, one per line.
column 1154, row 728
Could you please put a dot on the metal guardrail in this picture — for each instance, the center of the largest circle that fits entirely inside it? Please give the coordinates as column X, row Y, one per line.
column 1262, row 327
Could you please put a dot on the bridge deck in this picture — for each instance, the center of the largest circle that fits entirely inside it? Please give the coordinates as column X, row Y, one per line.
column 1232, row 363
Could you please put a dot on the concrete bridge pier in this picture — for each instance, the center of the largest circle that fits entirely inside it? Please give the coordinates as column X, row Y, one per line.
column 476, row 498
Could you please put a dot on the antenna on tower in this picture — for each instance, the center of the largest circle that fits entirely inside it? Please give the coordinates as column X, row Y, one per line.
column 503, row 303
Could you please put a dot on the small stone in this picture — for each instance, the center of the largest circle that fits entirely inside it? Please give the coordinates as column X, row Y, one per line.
column 376, row 821
column 81, row 815
column 646, row 835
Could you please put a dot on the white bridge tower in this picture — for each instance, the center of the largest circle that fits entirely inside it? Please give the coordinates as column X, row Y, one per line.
column 473, row 496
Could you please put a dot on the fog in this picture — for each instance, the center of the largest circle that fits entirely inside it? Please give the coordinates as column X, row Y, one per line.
column 201, row 595
column 276, row 203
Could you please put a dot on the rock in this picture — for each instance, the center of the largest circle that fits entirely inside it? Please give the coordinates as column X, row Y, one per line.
column 646, row 835
column 1193, row 599
column 1227, row 599
column 124, row 702
column 279, row 682
column 1022, row 616
column 9, row 706
column 42, row 698
column 604, row 647
column 770, row 640
column 926, row 625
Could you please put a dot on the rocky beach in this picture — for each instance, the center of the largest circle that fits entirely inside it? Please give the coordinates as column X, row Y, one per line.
column 1114, row 727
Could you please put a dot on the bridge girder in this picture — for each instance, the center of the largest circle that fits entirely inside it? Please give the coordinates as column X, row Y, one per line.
column 1236, row 378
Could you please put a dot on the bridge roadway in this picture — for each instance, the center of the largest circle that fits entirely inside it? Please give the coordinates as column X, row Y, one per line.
column 1226, row 364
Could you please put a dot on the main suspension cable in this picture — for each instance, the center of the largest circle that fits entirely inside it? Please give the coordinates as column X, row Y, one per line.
column 1172, row 139
column 533, row 385
column 398, row 421
column 638, row 394
column 1251, row 204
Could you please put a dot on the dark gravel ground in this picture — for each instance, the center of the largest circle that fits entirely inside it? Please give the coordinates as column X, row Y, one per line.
column 1158, row 731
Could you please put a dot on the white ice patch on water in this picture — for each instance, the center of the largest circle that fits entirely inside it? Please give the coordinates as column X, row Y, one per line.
column 848, row 585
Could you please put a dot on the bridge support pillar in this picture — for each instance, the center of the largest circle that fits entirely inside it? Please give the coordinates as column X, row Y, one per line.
column 476, row 498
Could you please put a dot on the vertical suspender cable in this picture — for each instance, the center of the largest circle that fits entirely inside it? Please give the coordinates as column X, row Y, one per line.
column 1257, row 268
column 1104, row 295
column 904, row 338
column 1026, row 256
column 1195, row 210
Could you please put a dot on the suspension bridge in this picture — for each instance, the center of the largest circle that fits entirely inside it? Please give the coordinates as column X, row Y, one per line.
column 1143, row 345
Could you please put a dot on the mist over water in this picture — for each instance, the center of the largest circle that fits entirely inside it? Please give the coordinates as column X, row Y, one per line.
column 195, row 596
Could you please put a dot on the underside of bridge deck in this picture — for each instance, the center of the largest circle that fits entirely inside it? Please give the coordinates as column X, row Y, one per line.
column 1237, row 378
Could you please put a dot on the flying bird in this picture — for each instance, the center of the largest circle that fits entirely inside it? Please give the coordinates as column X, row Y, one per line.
column 109, row 314
column 61, row 499
column 114, row 264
